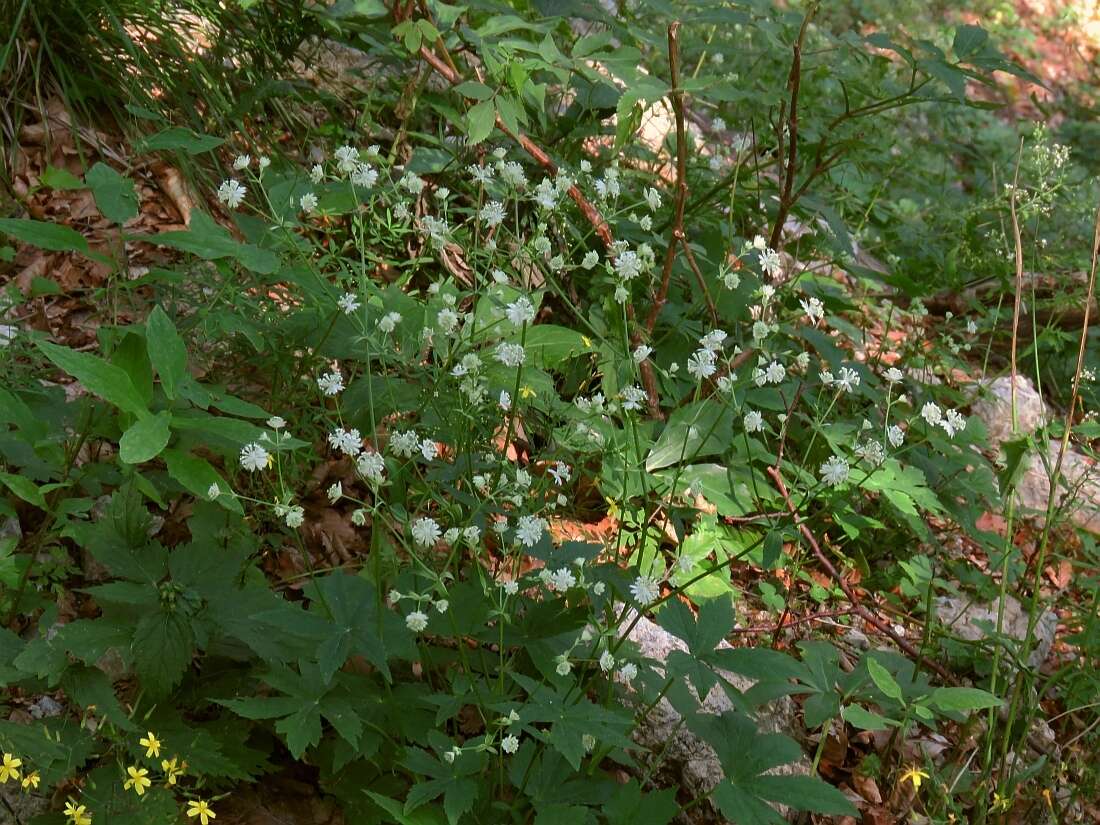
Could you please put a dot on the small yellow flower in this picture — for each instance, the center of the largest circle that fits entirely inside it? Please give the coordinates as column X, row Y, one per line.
column 915, row 775
column 200, row 809
column 526, row 392
column 31, row 780
column 172, row 769
column 77, row 813
column 152, row 743
column 587, row 341
column 139, row 780
column 9, row 768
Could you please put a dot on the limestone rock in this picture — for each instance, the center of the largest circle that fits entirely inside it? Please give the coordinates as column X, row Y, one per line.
column 961, row 617
column 994, row 408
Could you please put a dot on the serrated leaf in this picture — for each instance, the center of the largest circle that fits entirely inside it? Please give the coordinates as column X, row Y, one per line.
column 145, row 438
column 109, row 382
column 114, row 193
column 166, row 350
column 162, row 648
column 479, row 122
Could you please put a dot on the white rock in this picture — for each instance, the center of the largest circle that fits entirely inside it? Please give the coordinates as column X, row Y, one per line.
column 994, row 408
column 962, row 616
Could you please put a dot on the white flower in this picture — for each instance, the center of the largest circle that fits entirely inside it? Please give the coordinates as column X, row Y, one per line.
column 511, row 587
column 441, row 606
column 276, row 422
column 346, row 158
column 359, row 517
column 331, row 383
column 348, row 303
column 621, row 294
column 627, row 673
column 628, row 265
column 701, row 364
column 561, row 580
column 645, row 589
column 414, row 184
column 653, row 198
column 560, row 472
column 308, row 202
column 263, row 161
column 953, row 423
column 232, row 193
column 335, row 492
column 521, row 311
column 317, row 173
column 416, row 621
column 294, row 517
column 348, row 442
column 872, row 452
column 834, row 471
column 509, row 744
column 713, row 340
column 405, row 444
column 512, row 174
column 371, row 466
column 591, row 258
column 641, row 352
column 481, row 174
column 388, row 322
column 893, row 375
column 492, row 213
column 718, row 124
column 775, row 373
column 931, row 413
column 607, row 661
column 254, row 457
column 814, row 309
column 241, row 162
column 447, row 320
column 848, row 380
column 564, row 666
column 364, row 175
column 428, row 449
column 472, row 534
column 546, row 194
column 633, row 397
column 213, row 491
column 895, row 435
column 505, row 400
column 754, row 422
column 759, row 242
column 511, row 355
column 770, row 263
column 529, row 530
column 426, row 532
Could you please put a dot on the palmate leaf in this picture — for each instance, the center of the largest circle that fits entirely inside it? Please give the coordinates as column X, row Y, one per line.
column 747, row 757
column 162, row 648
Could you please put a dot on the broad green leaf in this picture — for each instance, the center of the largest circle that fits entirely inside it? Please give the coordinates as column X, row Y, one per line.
column 963, row 699
column 550, row 345
column 699, row 429
column 145, row 438
column 209, row 241
column 969, row 41
column 49, row 236
column 162, row 648
column 55, row 178
column 24, row 488
column 479, row 122
column 474, row 90
column 883, row 680
column 804, row 793
column 197, row 476
column 181, row 139
column 861, row 718
column 114, row 193
column 109, row 382
column 166, row 350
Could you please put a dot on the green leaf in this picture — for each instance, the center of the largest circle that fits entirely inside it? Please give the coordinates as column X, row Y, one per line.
column 479, row 122
column 699, row 429
column 24, row 488
column 89, row 686
column 162, row 648
column 630, row 806
column 805, row 793
column 114, row 194
column 166, row 350
column 969, row 41
column 963, row 699
column 49, row 236
column 550, row 345
column 211, row 242
column 109, row 382
column 861, row 718
column 474, row 90
column 177, row 138
column 55, row 178
column 883, row 680
column 197, row 475
column 145, row 438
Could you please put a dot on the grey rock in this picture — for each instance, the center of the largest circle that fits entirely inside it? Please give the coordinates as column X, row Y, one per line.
column 687, row 761
column 994, row 408
column 45, row 707
column 961, row 617
column 1078, row 492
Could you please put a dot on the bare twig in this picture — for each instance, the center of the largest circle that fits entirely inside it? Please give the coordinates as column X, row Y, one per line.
column 857, row 606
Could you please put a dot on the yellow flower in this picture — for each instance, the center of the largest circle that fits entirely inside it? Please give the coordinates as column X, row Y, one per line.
column 526, row 392
column 172, row 770
column 915, row 775
column 587, row 341
column 9, row 768
column 200, row 809
column 77, row 813
column 152, row 743
column 139, row 780
column 31, row 780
